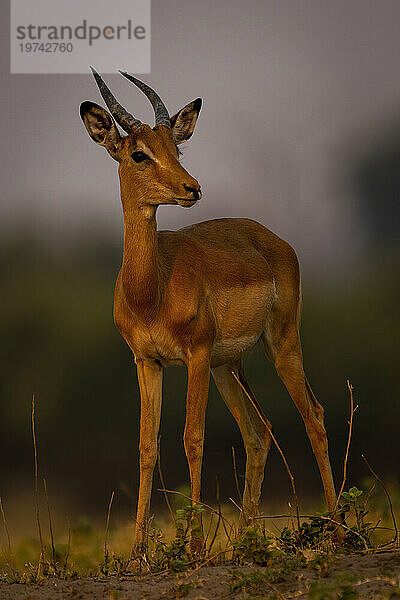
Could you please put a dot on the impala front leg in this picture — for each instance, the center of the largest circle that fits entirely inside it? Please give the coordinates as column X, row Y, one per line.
column 150, row 384
column 196, row 403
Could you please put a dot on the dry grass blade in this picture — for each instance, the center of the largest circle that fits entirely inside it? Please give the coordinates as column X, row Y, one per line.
column 53, row 549
column 236, row 476
column 346, row 456
column 107, row 528
column 379, row 480
column 236, row 504
column 10, row 551
column 208, row 530
column 41, row 557
column 161, row 475
column 285, row 462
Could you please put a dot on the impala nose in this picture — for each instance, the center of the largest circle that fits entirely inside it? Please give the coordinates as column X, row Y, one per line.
column 196, row 191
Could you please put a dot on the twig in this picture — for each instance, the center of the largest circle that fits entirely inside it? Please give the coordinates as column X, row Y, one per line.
column 379, row 480
column 41, row 557
column 208, row 531
column 107, row 527
column 171, row 512
column 236, row 477
column 268, row 426
column 10, row 551
column 236, row 504
column 367, row 549
column 53, row 550
column 346, row 456
column 375, row 527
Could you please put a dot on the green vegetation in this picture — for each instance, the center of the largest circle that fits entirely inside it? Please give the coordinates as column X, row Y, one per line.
column 85, row 551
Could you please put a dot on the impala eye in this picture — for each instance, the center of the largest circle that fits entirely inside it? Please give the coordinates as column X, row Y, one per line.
column 139, row 156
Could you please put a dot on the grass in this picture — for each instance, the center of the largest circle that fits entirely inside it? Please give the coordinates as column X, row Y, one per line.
column 85, row 550
column 256, row 561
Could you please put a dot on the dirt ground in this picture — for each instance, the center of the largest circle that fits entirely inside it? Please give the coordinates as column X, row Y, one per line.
column 373, row 576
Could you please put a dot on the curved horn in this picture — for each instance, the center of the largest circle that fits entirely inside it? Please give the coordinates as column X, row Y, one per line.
column 160, row 110
column 123, row 118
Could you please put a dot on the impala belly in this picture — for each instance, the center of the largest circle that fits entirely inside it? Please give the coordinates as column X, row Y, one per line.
column 241, row 313
column 226, row 350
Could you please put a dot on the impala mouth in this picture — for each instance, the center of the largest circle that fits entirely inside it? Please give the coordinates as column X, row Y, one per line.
column 186, row 202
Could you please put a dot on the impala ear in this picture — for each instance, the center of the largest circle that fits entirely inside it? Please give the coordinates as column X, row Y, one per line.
column 183, row 123
column 101, row 127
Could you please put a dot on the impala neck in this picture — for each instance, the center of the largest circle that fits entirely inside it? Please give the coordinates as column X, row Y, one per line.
column 140, row 264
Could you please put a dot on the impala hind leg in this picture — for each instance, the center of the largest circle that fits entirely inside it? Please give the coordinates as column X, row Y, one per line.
column 150, row 384
column 289, row 365
column 255, row 434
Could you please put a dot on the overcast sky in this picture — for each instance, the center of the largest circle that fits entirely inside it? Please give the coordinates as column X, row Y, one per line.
column 291, row 88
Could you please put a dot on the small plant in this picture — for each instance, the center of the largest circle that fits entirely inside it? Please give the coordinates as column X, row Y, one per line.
column 356, row 508
column 176, row 555
column 318, row 532
column 113, row 564
column 312, row 534
column 253, row 546
column 173, row 555
column 190, row 518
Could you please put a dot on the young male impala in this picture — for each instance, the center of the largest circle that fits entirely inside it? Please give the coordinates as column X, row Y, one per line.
column 200, row 296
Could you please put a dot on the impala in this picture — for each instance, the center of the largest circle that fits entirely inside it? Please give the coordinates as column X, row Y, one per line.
column 199, row 297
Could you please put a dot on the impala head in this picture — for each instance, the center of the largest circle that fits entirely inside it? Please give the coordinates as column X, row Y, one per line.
column 149, row 167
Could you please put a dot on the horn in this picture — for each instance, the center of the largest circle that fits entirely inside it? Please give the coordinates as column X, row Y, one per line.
column 123, row 118
column 160, row 110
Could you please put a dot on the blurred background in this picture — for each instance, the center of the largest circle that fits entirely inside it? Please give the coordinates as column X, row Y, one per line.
column 300, row 130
